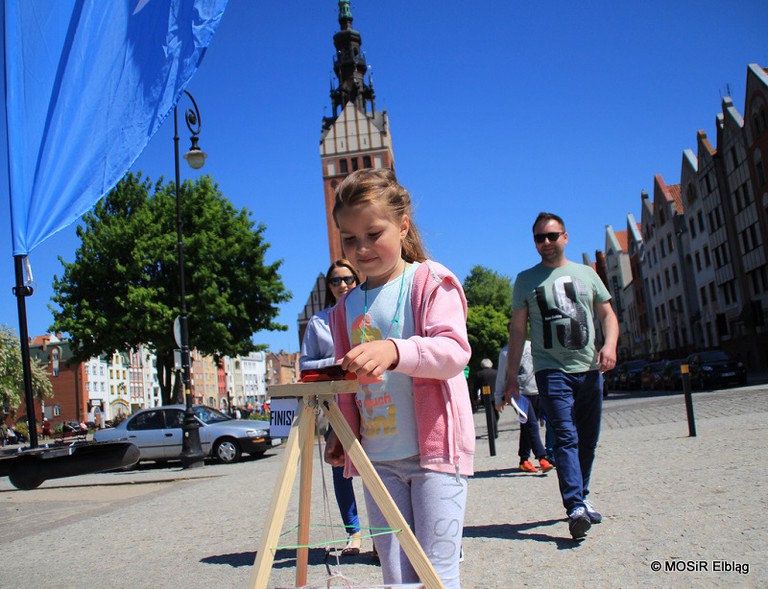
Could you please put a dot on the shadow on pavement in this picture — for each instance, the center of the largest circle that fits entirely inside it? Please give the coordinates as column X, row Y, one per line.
column 511, row 472
column 518, row 532
column 286, row 558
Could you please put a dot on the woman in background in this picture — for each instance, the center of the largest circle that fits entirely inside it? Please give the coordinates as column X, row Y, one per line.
column 317, row 352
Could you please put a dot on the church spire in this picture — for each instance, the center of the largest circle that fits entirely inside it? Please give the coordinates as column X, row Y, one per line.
column 349, row 65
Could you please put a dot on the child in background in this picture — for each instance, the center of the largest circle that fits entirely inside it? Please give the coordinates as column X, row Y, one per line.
column 403, row 332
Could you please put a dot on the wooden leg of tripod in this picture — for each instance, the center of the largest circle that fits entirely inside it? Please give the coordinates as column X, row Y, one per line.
column 379, row 492
column 262, row 568
column 306, row 442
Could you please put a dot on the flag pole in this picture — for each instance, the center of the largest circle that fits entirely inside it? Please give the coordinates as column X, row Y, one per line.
column 21, row 291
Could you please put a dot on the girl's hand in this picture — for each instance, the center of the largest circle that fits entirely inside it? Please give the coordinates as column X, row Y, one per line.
column 334, row 451
column 371, row 359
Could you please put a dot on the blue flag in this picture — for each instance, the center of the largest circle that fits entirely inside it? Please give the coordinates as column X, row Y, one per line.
column 88, row 83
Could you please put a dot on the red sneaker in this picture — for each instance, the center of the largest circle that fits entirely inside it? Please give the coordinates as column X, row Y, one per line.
column 545, row 465
column 526, row 466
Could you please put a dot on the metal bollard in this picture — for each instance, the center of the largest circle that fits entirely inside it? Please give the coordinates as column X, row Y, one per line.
column 490, row 419
column 686, row 378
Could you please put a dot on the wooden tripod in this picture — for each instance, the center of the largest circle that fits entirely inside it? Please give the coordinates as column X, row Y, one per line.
column 299, row 449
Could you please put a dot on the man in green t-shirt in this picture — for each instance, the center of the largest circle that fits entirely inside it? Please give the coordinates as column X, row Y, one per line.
column 559, row 299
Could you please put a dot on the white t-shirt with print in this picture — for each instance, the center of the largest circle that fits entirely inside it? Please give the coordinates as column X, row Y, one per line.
column 387, row 419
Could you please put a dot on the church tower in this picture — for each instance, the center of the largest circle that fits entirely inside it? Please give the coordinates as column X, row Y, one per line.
column 356, row 135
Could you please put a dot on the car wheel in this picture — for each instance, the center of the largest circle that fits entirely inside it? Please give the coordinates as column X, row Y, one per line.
column 227, row 451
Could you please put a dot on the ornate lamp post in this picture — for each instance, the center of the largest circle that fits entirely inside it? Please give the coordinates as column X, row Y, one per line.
column 192, row 455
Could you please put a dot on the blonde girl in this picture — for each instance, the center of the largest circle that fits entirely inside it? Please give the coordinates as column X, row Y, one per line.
column 403, row 332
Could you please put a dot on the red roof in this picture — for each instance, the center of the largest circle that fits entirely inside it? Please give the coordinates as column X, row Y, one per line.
column 621, row 237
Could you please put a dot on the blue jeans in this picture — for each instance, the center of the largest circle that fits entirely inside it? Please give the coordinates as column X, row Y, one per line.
column 573, row 405
column 345, row 499
column 530, row 437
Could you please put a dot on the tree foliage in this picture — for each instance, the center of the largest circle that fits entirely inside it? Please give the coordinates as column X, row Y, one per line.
column 12, row 375
column 122, row 290
column 489, row 298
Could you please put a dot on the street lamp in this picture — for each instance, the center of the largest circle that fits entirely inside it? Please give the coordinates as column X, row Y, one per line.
column 192, row 455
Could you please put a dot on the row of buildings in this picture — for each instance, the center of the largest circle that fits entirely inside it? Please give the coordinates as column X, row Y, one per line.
column 103, row 388
column 692, row 274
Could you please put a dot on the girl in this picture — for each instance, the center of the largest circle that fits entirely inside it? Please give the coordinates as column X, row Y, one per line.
column 403, row 332
column 317, row 352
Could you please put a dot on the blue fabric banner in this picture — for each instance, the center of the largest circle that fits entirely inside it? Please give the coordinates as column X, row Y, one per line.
column 88, row 83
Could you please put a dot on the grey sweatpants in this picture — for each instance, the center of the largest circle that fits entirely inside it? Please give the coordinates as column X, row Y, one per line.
column 433, row 504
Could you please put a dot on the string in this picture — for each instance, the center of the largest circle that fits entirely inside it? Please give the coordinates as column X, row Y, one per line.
column 395, row 318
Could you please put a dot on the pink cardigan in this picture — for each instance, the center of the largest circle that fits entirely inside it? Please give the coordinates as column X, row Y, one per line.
column 435, row 357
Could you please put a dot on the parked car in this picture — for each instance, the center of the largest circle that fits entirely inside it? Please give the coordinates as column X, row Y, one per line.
column 651, row 376
column 715, row 368
column 629, row 377
column 158, row 435
column 671, row 377
column 610, row 380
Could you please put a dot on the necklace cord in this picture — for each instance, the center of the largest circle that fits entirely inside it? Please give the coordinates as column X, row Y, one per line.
column 395, row 318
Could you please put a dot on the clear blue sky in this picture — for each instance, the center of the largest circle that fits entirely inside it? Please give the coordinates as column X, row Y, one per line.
column 498, row 110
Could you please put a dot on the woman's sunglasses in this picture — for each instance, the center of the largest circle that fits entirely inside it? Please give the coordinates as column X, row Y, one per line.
column 553, row 237
column 336, row 280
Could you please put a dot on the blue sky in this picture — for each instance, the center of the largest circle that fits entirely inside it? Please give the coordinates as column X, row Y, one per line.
column 498, row 110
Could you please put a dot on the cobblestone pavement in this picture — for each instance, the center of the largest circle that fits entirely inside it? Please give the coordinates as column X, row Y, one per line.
column 694, row 503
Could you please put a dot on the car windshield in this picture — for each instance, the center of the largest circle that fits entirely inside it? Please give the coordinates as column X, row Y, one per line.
column 208, row 415
column 716, row 356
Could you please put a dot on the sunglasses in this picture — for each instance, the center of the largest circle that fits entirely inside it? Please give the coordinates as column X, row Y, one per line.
column 336, row 280
column 542, row 237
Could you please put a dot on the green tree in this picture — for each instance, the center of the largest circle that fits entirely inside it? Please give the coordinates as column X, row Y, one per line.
column 122, row 290
column 489, row 301
column 12, row 376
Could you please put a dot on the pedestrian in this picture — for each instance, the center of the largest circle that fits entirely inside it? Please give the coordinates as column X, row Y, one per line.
column 403, row 332
column 530, row 436
column 485, row 377
column 47, row 430
column 558, row 298
column 317, row 352
column 3, row 433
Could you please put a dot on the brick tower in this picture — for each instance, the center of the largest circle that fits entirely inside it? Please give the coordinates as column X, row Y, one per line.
column 356, row 135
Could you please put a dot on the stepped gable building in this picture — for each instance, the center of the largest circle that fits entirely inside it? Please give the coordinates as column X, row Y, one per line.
column 355, row 136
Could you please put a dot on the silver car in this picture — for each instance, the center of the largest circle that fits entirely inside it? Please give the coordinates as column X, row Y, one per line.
column 157, row 433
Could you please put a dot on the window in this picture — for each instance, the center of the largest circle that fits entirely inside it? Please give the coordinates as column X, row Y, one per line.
column 669, row 243
column 737, row 200
column 355, row 164
column 343, row 166
column 703, row 293
column 712, row 292
column 700, row 217
column 708, row 183
column 707, row 261
column 674, row 274
column 366, row 161
column 745, row 193
column 653, row 287
column 663, row 250
column 147, row 420
column 734, row 158
column 698, row 262
column 760, row 172
column 666, row 277
column 692, row 227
